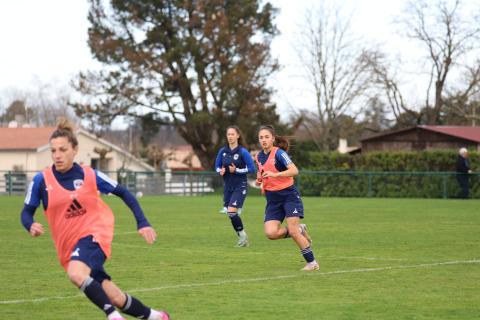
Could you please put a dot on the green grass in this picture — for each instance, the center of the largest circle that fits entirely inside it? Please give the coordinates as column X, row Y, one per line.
column 195, row 272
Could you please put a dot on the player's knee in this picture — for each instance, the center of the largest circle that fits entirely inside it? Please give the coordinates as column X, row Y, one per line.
column 271, row 234
column 293, row 230
column 77, row 277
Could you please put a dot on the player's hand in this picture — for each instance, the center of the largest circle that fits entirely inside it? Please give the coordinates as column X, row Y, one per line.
column 232, row 168
column 259, row 179
column 149, row 234
column 222, row 171
column 36, row 229
column 268, row 174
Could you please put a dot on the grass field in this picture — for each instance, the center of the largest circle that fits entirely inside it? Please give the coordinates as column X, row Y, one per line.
column 380, row 259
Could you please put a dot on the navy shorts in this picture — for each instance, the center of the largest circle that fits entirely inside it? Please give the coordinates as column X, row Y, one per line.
column 235, row 197
column 283, row 204
column 89, row 252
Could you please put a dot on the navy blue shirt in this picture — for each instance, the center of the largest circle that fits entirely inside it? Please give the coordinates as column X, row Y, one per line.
column 243, row 162
column 72, row 180
column 463, row 164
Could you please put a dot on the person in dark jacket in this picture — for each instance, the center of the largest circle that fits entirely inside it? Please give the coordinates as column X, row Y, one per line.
column 463, row 171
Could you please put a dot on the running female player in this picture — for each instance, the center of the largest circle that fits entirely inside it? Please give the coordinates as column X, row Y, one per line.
column 82, row 225
column 275, row 175
column 234, row 162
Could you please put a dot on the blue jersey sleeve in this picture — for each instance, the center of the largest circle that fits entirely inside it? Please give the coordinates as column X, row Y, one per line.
column 105, row 184
column 247, row 158
column 218, row 161
column 34, row 192
column 26, row 216
column 282, row 157
column 32, row 200
column 133, row 204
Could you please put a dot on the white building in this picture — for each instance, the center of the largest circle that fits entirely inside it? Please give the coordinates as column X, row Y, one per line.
column 27, row 149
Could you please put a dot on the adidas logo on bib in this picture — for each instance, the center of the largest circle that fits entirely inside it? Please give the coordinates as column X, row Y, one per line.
column 75, row 210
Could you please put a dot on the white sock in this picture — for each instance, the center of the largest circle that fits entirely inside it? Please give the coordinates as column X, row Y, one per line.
column 114, row 315
column 154, row 315
column 242, row 233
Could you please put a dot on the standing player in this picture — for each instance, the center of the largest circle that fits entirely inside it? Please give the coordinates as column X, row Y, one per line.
column 275, row 174
column 234, row 162
column 82, row 224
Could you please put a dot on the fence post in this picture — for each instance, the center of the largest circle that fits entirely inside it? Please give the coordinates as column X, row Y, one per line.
column 9, row 175
column 369, row 192
column 135, row 183
column 445, row 186
column 184, row 184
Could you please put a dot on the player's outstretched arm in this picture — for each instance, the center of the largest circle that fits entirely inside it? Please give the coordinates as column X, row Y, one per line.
column 133, row 204
column 31, row 203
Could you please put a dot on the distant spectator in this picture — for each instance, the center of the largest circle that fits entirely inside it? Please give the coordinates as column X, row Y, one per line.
column 463, row 170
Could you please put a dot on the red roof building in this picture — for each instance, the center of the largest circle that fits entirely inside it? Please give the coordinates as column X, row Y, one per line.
column 24, row 138
column 422, row 137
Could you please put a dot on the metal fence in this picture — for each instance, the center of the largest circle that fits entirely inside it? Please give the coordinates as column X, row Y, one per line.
column 309, row 183
column 384, row 184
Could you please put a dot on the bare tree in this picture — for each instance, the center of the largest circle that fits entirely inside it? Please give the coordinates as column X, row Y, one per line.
column 464, row 102
column 449, row 37
column 42, row 105
column 50, row 103
column 336, row 66
column 386, row 81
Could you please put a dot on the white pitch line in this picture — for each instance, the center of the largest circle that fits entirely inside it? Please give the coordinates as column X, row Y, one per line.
column 361, row 258
column 297, row 275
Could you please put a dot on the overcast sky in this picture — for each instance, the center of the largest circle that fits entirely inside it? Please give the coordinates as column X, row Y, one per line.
column 46, row 41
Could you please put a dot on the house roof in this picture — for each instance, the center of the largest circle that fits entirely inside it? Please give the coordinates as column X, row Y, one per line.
column 37, row 139
column 468, row 133
column 24, row 138
column 462, row 132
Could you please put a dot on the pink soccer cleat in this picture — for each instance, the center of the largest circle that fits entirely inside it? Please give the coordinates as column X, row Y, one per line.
column 160, row 315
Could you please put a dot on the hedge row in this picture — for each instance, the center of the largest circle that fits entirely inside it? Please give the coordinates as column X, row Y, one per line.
column 384, row 174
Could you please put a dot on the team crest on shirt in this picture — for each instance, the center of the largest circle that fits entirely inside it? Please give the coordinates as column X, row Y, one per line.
column 235, row 157
column 77, row 183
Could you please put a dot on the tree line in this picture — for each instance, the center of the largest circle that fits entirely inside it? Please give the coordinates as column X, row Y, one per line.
column 202, row 65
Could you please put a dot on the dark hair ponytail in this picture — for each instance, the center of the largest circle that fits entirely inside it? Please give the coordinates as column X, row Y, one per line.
column 237, row 129
column 280, row 141
column 65, row 129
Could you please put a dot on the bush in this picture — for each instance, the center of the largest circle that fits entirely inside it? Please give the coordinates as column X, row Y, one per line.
column 383, row 174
